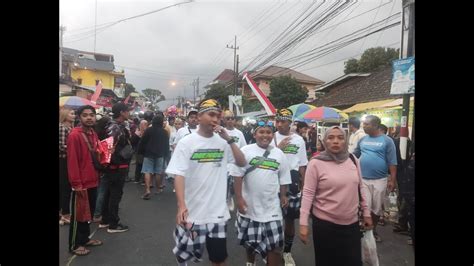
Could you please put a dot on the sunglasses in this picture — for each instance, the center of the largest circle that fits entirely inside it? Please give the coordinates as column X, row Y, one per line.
column 263, row 124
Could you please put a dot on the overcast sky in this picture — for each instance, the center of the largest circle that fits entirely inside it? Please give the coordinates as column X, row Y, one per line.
column 188, row 41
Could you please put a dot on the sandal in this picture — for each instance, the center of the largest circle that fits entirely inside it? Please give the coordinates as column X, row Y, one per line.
column 94, row 243
column 81, row 251
column 146, row 196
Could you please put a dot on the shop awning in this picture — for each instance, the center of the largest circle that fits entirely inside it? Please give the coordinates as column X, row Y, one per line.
column 397, row 102
column 365, row 106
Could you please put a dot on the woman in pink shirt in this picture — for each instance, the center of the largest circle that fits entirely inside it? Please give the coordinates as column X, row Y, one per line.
column 331, row 196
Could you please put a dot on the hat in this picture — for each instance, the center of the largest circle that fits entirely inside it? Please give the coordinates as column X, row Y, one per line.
column 284, row 114
column 192, row 112
column 120, row 107
column 228, row 113
column 209, row 105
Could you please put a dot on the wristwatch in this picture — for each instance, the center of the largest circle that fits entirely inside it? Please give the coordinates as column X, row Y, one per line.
column 231, row 140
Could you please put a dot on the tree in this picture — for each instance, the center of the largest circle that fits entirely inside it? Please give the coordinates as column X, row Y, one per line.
column 154, row 95
column 220, row 93
column 129, row 88
column 286, row 91
column 351, row 66
column 371, row 60
column 251, row 105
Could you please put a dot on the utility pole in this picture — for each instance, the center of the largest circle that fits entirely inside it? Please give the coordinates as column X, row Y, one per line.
column 235, row 48
column 407, row 50
column 61, row 32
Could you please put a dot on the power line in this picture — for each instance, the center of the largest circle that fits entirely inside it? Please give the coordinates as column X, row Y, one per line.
column 376, row 13
column 110, row 24
column 380, row 35
column 387, row 45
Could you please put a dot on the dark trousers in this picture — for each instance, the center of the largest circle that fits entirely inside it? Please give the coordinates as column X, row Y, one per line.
column 336, row 245
column 79, row 231
column 64, row 187
column 411, row 217
column 402, row 212
column 138, row 171
column 115, row 181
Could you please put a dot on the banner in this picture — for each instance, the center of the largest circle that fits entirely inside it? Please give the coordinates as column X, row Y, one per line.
column 403, row 76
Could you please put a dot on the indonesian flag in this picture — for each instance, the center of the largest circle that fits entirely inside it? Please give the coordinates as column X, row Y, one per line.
column 98, row 90
column 269, row 108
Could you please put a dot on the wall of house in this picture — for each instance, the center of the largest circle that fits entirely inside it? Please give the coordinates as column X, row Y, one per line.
column 89, row 77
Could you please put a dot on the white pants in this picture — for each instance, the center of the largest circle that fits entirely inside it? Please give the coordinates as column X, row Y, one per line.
column 374, row 192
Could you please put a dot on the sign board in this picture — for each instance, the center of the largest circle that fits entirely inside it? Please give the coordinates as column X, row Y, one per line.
column 403, row 76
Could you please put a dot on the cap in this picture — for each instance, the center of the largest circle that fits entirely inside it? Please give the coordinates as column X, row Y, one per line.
column 209, row 105
column 120, row 107
column 284, row 114
column 192, row 112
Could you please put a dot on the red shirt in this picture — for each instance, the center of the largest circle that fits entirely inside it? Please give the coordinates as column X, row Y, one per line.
column 82, row 173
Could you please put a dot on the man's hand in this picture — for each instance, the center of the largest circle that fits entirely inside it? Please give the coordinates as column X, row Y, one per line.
column 78, row 188
column 182, row 216
column 242, row 205
column 284, row 143
column 304, row 232
column 391, row 185
column 368, row 224
column 284, row 201
column 222, row 132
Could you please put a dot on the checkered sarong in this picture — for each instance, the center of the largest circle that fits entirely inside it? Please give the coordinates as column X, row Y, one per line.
column 190, row 243
column 294, row 201
column 260, row 237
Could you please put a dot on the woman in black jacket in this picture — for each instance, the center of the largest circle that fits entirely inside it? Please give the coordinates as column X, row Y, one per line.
column 154, row 146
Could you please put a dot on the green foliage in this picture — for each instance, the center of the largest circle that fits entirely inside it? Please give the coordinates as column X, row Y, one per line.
column 220, row 93
column 371, row 60
column 286, row 91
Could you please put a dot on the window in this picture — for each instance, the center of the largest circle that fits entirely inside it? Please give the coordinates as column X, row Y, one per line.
column 79, row 81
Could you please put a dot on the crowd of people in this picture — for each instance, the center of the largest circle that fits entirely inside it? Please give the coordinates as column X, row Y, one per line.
column 283, row 172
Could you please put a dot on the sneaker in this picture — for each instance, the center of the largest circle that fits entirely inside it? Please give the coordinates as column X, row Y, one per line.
column 230, row 204
column 101, row 225
column 119, row 228
column 250, row 264
column 289, row 261
column 410, row 242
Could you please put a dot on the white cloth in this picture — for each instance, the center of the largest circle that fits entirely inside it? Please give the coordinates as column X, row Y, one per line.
column 173, row 132
column 182, row 132
column 295, row 151
column 261, row 186
column 354, row 139
column 203, row 163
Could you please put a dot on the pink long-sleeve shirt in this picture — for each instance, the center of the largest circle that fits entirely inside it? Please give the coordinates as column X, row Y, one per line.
column 331, row 192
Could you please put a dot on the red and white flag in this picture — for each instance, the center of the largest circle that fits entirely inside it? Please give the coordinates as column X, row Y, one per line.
column 269, row 108
column 98, row 90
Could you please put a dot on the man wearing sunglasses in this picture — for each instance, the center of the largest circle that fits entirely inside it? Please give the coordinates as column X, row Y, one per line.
column 238, row 136
column 199, row 164
column 257, row 185
column 294, row 148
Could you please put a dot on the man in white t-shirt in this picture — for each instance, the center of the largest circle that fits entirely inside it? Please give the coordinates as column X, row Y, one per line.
column 294, row 148
column 186, row 130
column 199, row 163
column 238, row 136
column 357, row 133
column 267, row 173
